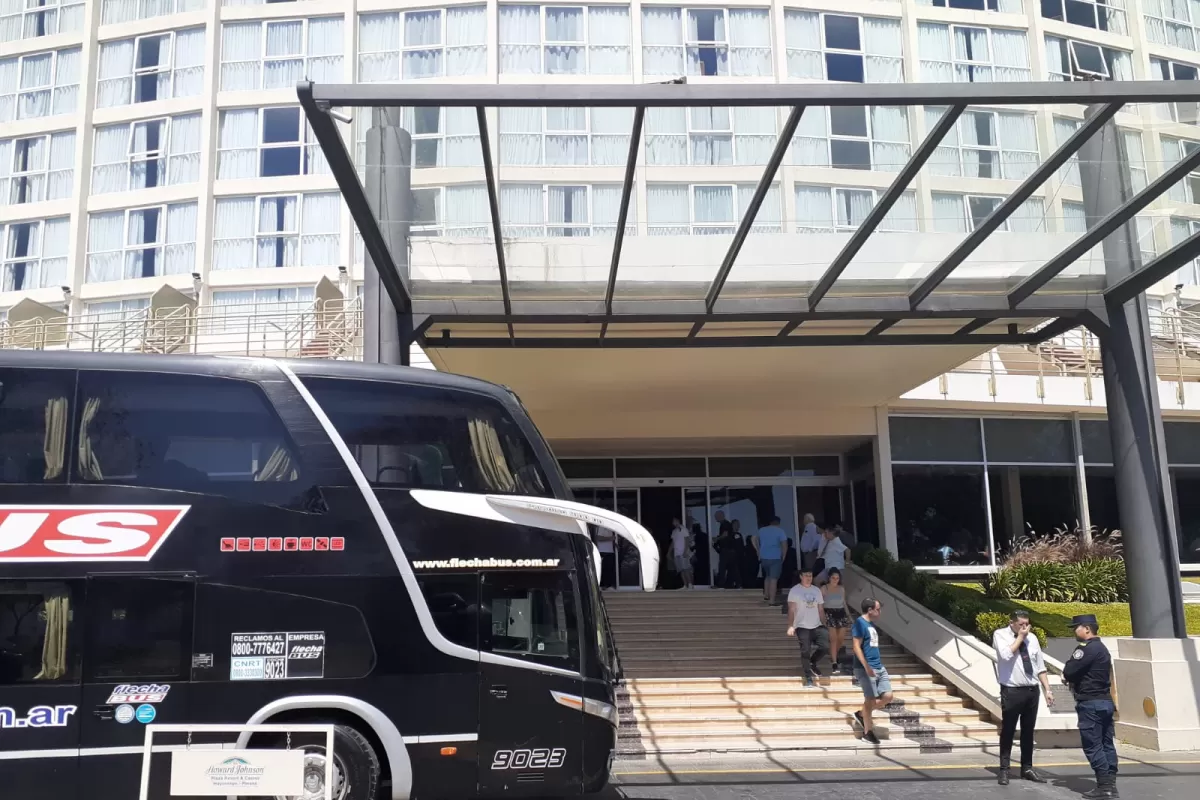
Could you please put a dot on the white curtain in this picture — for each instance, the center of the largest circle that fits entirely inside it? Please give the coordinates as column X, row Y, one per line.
column 189, row 63
column 115, row 74
column 106, row 241
column 320, row 226
column 461, row 143
column 713, row 205
column 422, row 29
column 1136, row 158
column 770, row 217
column 666, row 136
column 8, row 79
column 750, row 42
column 1172, row 154
column 278, row 215
column 521, row 212
column 521, row 136
column 814, row 210
column 802, row 30
column 566, row 208
column 62, row 165
column 467, row 211
column 889, row 128
column 611, row 128
column 283, row 62
column 30, row 157
column 810, row 145
column 36, row 73
column 1064, row 128
column 667, row 209
column 241, row 55
column 520, row 39
column 233, row 233
column 711, row 149
column 945, row 159
column 606, row 205
column 110, row 159
column 853, row 206
column 114, row 11
column 566, row 136
column 1122, row 65
column 237, row 155
column 948, row 214
column 1181, row 229
column 467, row 36
column 1030, row 217
column 609, row 35
column 903, row 216
column 66, row 82
column 565, row 25
column 180, row 252
column 1010, row 55
column 325, row 45
column 55, row 234
column 1056, row 55
column 662, row 41
column 933, row 42
column 379, row 48
column 884, row 61
column 183, row 150
column 756, row 129
column 1018, row 138
column 1075, row 218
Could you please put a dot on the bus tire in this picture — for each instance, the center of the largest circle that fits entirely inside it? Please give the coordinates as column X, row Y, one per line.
column 356, row 766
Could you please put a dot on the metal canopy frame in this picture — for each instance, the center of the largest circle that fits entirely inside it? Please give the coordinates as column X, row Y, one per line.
column 922, row 303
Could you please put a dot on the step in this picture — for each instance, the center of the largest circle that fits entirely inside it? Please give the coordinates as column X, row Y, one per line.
column 660, row 720
column 788, row 663
column 768, row 686
column 832, row 729
column 632, row 750
column 804, row 699
column 658, row 644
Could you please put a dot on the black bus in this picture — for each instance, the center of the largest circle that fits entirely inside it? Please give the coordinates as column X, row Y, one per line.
column 190, row 539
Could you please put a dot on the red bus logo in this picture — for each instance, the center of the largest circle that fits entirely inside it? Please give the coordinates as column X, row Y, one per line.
column 85, row 533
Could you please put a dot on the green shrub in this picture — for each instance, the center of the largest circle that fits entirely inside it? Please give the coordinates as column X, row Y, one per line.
column 1040, row 633
column 899, row 573
column 939, row 598
column 919, row 585
column 988, row 622
column 859, row 551
column 876, row 561
column 1097, row 580
column 1039, row 582
column 998, row 584
column 964, row 611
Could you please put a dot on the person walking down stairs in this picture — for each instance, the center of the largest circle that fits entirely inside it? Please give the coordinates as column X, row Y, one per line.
column 806, row 621
column 868, row 668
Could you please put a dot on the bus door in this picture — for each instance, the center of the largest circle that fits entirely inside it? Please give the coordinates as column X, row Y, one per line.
column 136, row 663
column 39, row 688
column 530, row 719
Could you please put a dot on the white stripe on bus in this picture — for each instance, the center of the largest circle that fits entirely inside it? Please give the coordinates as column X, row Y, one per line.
column 131, row 750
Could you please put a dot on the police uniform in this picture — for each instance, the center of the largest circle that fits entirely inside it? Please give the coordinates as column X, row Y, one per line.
column 1089, row 674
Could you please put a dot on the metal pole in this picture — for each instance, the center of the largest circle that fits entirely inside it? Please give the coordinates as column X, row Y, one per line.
column 1134, row 417
column 387, row 331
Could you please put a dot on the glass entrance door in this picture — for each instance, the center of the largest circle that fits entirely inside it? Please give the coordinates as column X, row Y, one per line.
column 620, row 567
column 629, row 565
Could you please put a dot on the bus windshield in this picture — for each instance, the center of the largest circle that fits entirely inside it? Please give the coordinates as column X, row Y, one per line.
column 406, row 436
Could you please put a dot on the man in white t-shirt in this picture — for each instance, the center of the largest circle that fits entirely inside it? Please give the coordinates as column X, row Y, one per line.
column 806, row 621
column 834, row 553
column 681, row 552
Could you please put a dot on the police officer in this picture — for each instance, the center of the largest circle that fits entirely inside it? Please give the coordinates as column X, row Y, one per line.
column 1089, row 674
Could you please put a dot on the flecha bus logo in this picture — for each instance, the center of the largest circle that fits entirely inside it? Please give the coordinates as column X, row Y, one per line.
column 85, row 533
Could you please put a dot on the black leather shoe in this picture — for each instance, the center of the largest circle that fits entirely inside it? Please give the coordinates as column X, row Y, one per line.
column 1002, row 778
column 1032, row 776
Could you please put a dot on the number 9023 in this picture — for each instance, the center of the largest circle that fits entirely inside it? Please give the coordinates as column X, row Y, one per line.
column 541, row 758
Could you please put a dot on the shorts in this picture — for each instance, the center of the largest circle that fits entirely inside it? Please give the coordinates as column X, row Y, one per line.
column 682, row 563
column 875, row 687
column 837, row 618
column 771, row 568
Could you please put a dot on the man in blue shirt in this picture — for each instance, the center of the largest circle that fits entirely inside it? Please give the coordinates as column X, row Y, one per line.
column 868, row 668
column 771, row 543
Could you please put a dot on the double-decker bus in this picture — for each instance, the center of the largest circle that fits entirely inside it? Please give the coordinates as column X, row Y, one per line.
column 189, row 540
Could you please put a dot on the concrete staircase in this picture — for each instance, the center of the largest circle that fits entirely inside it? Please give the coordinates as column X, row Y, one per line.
column 714, row 671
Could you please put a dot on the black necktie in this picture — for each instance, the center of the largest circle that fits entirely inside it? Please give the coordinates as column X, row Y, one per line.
column 1025, row 658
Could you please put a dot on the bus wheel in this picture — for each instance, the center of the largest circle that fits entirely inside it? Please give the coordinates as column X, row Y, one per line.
column 355, row 768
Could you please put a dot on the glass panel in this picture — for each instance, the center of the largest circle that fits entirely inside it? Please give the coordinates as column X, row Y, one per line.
column 816, row 466
column 1102, row 499
column 606, row 540
column 748, row 508
column 454, row 604
column 1097, row 443
column 936, row 439
column 940, row 515
column 866, row 511
column 587, row 468
column 28, row 609
column 629, row 564
column 749, row 466
column 660, row 467
column 533, row 616
column 1029, row 440
column 138, row 629
column 1187, row 502
column 1031, row 500
column 33, row 424
column 860, row 457
column 695, row 509
column 1183, row 442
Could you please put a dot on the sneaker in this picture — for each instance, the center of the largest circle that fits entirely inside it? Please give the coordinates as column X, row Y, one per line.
column 817, row 671
column 809, row 683
column 859, row 719
column 837, row 669
column 870, row 738
column 1032, row 776
column 1002, row 778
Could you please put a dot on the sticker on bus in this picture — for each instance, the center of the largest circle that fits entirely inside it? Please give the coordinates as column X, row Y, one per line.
column 277, row 656
column 134, row 693
column 85, row 533
column 282, row 544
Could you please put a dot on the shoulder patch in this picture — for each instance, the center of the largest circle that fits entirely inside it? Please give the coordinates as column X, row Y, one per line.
column 1077, row 654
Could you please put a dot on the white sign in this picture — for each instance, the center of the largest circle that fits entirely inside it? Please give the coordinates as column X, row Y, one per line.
column 224, row 772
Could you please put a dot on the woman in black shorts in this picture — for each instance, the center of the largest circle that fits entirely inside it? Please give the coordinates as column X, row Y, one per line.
column 836, row 617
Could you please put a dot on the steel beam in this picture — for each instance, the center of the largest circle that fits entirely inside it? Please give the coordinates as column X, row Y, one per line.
column 326, row 132
column 974, row 325
column 655, row 343
column 786, row 330
column 635, row 137
column 760, row 193
column 1055, row 328
column 1135, row 283
column 881, row 209
column 493, row 191
column 1104, row 227
column 881, row 327
column 754, row 94
column 1023, row 192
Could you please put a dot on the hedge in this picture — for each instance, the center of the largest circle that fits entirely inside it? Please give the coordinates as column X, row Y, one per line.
column 1097, row 580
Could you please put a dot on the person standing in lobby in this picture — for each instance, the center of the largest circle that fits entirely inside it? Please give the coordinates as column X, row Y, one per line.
column 810, row 542
column 1021, row 668
column 771, row 544
column 681, row 552
column 1089, row 674
column 831, row 555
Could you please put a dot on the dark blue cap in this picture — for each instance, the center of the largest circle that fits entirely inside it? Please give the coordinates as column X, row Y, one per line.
column 1084, row 619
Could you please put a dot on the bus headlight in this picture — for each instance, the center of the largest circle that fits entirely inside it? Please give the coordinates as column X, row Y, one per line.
column 597, row 708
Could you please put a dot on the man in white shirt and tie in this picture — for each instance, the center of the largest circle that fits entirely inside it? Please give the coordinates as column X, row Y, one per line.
column 1020, row 668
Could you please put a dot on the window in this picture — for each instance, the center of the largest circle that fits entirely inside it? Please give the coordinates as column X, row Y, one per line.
column 1003, row 6
column 288, row 230
column 116, row 310
column 155, row 67
column 431, row 437
column 182, row 432
column 838, row 47
column 1173, row 22
column 453, row 602
column 252, row 2
column 39, row 85
column 139, row 628
column 37, row 168
column 141, row 155
column 564, row 40
column 1064, row 127
column 141, row 242
column 852, row 137
column 441, row 137
column 33, row 430
column 1176, row 71
column 986, row 144
column 706, row 41
column 114, row 11
column 422, row 44
column 261, row 311
column 711, row 136
column 267, row 143
column 1075, row 221
column 1103, row 15
column 451, row 211
column 39, row 639
column 533, row 616
column 1173, row 151
column 960, row 213
column 565, row 136
column 679, row 209
column 972, row 55
column 29, row 19
column 35, row 254
column 1182, row 229
column 828, row 209
column 276, row 54
column 1071, row 60
column 534, row 210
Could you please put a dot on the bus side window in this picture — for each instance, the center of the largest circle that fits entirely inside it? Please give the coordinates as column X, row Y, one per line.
column 533, row 616
column 38, row 632
column 34, row 417
column 139, row 628
column 214, row 436
column 454, row 603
